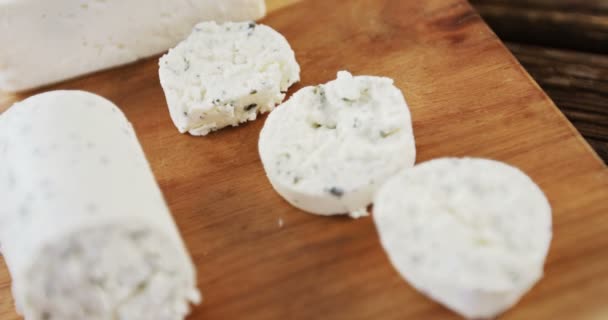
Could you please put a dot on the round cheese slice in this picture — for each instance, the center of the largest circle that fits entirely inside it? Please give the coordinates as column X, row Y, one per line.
column 329, row 147
column 472, row 234
column 84, row 229
column 225, row 74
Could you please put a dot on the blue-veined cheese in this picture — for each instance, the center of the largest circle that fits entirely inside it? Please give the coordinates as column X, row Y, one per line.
column 329, row 147
column 55, row 40
column 470, row 233
column 84, row 229
column 225, row 74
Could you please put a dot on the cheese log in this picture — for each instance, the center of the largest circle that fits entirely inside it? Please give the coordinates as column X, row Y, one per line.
column 52, row 41
column 472, row 234
column 328, row 148
column 84, row 229
column 225, row 74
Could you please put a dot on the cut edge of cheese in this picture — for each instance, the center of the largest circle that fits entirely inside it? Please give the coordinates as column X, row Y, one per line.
column 134, row 272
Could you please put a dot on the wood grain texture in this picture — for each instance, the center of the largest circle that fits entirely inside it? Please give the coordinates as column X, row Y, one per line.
column 274, row 5
column 468, row 97
column 577, row 82
column 573, row 24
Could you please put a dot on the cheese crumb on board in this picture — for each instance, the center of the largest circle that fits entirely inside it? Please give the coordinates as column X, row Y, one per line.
column 328, row 148
column 84, row 229
column 473, row 234
column 226, row 74
column 51, row 41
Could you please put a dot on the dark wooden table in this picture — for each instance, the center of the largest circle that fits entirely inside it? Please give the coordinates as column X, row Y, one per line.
column 564, row 45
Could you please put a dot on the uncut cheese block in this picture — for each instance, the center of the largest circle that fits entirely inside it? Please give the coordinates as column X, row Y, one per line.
column 84, row 229
column 470, row 233
column 49, row 41
column 329, row 147
column 225, row 74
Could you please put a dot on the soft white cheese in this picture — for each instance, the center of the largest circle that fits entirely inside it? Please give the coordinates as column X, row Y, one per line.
column 225, row 74
column 328, row 148
column 472, row 234
column 49, row 41
column 84, row 229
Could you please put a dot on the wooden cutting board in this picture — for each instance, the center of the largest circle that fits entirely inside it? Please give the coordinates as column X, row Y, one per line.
column 468, row 96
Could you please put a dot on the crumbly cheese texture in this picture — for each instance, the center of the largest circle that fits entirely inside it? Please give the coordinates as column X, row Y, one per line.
column 84, row 229
column 328, row 148
column 55, row 40
column 472, row 234
column 225, row 74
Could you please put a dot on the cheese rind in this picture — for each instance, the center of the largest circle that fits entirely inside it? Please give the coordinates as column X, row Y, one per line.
column 51, row 41
column 328, row 148
column 470, row 233
column 84, row 229
column 225, row 74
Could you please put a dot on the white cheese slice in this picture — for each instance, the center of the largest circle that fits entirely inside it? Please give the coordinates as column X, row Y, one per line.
column 49, row 41
column 225, row 74
column 84, row 229
column 328, row 148
column 470, row 233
